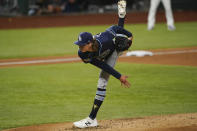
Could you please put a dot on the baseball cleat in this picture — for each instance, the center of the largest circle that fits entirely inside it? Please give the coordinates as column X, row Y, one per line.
column 85, row 123
column 122, row 8
column 171, row 28
column 150, row 28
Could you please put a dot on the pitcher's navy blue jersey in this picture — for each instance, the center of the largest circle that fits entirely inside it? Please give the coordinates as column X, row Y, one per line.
column 106, row 48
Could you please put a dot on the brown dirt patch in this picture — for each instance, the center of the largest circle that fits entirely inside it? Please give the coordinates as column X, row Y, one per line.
column 176, row 56
column 178, row 122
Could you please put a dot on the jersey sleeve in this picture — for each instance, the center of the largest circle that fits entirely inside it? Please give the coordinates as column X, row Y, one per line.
column 118, row 30
column 104, row 66
column 85, row 56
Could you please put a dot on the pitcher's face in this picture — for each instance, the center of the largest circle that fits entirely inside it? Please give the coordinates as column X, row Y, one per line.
column 85, row 48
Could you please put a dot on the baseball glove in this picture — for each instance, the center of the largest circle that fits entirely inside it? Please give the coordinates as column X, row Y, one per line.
column 122, row 43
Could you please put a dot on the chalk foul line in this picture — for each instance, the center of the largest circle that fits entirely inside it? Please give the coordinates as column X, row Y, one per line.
column 56, row 60
column 40, row 61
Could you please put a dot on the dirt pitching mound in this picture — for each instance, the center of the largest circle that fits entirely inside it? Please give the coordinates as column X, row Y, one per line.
column 178, row 122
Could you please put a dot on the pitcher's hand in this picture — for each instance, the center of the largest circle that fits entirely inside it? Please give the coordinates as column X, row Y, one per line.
column 123, row 80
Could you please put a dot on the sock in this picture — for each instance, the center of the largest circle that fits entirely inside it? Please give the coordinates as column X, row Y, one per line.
column 99, row 98
column 121, row 22
column 95, row 108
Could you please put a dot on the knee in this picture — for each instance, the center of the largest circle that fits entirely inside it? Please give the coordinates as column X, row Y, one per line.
column 168, row 10
column 153, row 10
column 114, row 27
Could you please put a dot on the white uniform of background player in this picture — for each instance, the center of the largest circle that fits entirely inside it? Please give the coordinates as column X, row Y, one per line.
column 168, row 12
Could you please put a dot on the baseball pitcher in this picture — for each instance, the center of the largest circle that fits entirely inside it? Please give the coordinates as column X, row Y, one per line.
column 102, row 51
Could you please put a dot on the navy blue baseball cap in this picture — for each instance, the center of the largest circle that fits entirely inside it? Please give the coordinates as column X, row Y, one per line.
column 84, row 38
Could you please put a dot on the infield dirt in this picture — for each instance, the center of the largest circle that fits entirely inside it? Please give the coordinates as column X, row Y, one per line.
column 178, row 122
column 176, row 56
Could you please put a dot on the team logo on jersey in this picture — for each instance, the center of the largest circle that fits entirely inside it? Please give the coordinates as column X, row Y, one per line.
column 86, row 60
column 103, row 55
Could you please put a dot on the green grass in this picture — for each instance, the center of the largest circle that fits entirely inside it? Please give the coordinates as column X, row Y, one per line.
column 58, row 93
column 22, row 43
column 65, row 92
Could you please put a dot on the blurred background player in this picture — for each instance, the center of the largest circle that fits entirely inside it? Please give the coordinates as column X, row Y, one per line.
column 168, row 12
column 100, row 51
